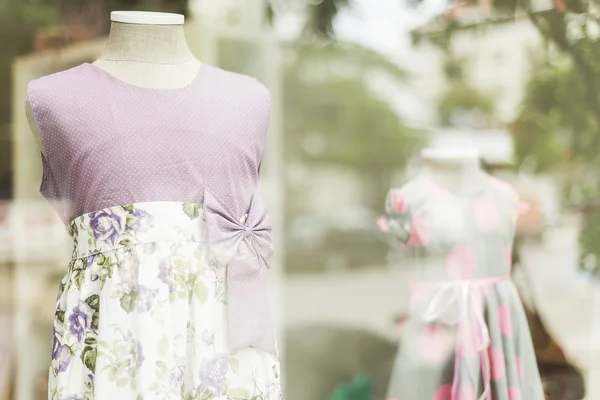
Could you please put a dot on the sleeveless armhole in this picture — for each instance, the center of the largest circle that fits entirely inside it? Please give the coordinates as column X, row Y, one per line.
column 46, row 187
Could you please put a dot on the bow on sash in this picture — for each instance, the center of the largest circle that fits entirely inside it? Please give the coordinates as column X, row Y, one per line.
column 466, row 295
column 245, row 245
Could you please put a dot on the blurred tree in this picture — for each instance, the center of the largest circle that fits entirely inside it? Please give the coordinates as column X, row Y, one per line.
column 321, row 15
column 562, row 107
column 552, row 126
column 461, row 98
column 19, row 21
column 334, row 117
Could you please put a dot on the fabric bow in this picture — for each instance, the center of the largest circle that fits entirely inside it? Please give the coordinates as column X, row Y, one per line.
column 245, row 246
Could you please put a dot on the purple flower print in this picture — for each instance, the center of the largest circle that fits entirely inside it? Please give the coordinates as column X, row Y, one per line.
column 108, row 224
column 213, row 373
column 139, row 354
column 91, row 260
column 145, row 296
column 64, row 358
column 143, row 220
column 56, row 339
column 177, row 375
column 80, row 320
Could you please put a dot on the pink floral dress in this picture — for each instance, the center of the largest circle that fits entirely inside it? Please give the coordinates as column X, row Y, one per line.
column 466, row 336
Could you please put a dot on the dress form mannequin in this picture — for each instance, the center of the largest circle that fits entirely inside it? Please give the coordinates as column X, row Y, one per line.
column 146, row 49
column 456, row 169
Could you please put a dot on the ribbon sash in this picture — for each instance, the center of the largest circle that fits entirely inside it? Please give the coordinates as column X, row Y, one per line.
column 245, row 246
column 467, row 297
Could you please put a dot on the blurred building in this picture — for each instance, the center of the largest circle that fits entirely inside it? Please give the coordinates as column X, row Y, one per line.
column 495, row 54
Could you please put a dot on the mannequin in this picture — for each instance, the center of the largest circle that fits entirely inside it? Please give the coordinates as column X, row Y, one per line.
column 457, row 169
column 456, row 237
column 146, row 49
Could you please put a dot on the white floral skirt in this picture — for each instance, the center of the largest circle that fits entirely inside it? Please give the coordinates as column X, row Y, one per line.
column 142, row 314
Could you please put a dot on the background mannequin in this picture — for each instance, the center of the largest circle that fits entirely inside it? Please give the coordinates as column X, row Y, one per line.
column 145, row 49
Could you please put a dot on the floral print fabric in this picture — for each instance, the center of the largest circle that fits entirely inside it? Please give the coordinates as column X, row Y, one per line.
column 142, row 314
column 466, row 336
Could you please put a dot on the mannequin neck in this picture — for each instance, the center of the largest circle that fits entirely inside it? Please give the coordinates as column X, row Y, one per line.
column 157, row 44
column 461, row 176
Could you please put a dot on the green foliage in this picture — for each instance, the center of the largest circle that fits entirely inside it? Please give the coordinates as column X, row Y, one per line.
column 323, row 14
column 333, row 58
column 328, row 101
column 462, row 97
column 554, row 124
column 589, row 237
column 360, row 388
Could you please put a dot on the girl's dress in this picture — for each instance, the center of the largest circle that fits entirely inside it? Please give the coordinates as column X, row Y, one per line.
column 165, row 296
column 466, row 336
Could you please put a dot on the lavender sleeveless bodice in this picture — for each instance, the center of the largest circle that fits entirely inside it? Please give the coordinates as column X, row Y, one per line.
column 108, row 142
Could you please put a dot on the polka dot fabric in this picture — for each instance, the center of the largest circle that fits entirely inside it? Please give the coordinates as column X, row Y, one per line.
column 466, row 336
column 108, row 142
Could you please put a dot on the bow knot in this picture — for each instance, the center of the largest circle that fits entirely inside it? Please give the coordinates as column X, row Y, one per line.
column 247, row 297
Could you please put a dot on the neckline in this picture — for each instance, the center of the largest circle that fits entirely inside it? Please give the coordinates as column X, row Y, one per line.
column 426, row 177
column 121, row 82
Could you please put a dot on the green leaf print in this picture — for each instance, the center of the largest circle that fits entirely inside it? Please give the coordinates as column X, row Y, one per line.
column 106, row 261
column 128, row 301
column 192, row 210
column 234, row 364
column 128, row 207
column 90, row 340
column 200, row 291
column 126, row 242
column 130, row 220
column 94, row 302
column 78, row 275
column 238, row 393
column 200, row 394
column 88, row 357
column 122, row 382
column 163, row 346
column 60, row 316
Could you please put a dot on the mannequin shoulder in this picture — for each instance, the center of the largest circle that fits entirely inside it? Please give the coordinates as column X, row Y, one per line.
column 55, row 84
column 245, row 86
column 506, row 191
